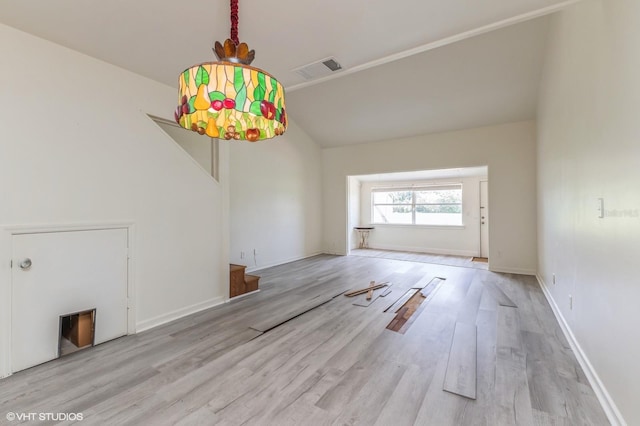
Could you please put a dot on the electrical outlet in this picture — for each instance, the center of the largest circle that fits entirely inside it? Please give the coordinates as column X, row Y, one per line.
column 554, row 279
column 241, row 255
column 570, row 302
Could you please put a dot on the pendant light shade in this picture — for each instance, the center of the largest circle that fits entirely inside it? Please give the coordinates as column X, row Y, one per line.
column 230, row 99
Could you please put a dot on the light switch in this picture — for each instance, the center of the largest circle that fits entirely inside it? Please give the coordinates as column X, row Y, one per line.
column 600, row 207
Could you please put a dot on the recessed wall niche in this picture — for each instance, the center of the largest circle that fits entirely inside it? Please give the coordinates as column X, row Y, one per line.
column 77, row 331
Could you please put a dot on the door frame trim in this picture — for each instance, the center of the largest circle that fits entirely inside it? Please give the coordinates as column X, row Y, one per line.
column 6, row 252
column 480, row 216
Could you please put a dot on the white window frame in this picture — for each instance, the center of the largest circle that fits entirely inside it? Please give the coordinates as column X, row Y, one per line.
column 413, row 190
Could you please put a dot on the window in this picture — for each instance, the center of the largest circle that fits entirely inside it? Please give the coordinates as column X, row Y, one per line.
column 428, row 205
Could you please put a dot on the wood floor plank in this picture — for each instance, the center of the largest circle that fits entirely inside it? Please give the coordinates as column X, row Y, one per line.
column 582, row 407
column 405, row 401
column 202, row 416
column 487, row 302
column 508, row 337
column 400, row 300
column 129, row 413
column 453, row 292
column 459, row 261
column 545, row 386
column 483, row 411
column 439, row 407
column 540, row 418
column 519, row 291
column 512, row 391
column 369, row 360
column 468, row 309
column 285, row 315
column 499, row 295
column 460, row 377
column 366, row 406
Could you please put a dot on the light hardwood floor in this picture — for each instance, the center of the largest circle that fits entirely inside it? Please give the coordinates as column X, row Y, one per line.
column 335, row 364
column 441, row 259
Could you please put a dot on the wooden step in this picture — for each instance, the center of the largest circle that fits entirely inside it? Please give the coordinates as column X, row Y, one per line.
column 239, row 283
column 251, row 282
column 233, row 267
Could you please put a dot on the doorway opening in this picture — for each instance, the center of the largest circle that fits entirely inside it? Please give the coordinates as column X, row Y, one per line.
column 429, row 212
column 77, row 331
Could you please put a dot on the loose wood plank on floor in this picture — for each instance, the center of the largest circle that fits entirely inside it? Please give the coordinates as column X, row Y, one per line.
column 400, row 301
column 460, row 377
column 362, row 301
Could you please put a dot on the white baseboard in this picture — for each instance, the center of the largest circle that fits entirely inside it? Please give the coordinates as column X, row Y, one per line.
column 240, row 296
column 281, row 262
column 178, row 313
column 518, row 271
column 428, row 250
column 608, row 405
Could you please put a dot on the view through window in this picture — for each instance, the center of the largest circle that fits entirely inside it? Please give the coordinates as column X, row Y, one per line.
column 429, row 205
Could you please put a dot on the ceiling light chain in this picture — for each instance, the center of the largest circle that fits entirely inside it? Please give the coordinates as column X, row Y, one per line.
column 234, row 22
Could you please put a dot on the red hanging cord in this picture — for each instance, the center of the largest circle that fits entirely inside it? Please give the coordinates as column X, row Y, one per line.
column 234, row 22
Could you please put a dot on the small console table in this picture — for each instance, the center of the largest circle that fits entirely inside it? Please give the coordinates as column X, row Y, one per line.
column 363, row 233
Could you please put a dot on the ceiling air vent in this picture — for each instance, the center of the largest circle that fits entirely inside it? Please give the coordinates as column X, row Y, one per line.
column 319, row 69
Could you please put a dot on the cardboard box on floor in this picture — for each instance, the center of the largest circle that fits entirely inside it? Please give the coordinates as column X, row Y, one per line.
column 82, row 329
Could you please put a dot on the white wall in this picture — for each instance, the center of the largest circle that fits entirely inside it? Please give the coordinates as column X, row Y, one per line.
column 275, row 199
column 200, row 148
column 508, row 150
column 354, row 186
column 76, row 147
column 589, row 148
column 456, row 240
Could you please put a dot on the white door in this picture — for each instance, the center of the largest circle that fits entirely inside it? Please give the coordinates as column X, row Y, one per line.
column 484, row 219
column 70, row 272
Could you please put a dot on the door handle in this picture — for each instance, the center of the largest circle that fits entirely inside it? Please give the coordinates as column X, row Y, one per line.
column 25, row 264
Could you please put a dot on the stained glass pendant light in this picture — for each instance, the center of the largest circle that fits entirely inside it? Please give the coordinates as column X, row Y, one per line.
column 229, row 99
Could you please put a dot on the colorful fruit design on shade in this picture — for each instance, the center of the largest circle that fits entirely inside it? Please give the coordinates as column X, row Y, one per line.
column 231, row 101
column 183, row 108
column 268, row 110
column 231, row 133
column 217, row 105
column 202, row 98
column 253, row 135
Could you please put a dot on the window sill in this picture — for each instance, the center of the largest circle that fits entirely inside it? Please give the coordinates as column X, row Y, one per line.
column 393, row 225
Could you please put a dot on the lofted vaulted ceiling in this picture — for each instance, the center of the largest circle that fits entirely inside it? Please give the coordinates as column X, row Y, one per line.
column 490, row 76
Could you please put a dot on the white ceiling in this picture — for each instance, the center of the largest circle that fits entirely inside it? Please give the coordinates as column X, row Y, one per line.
column 488, row 79
column 160, row 38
